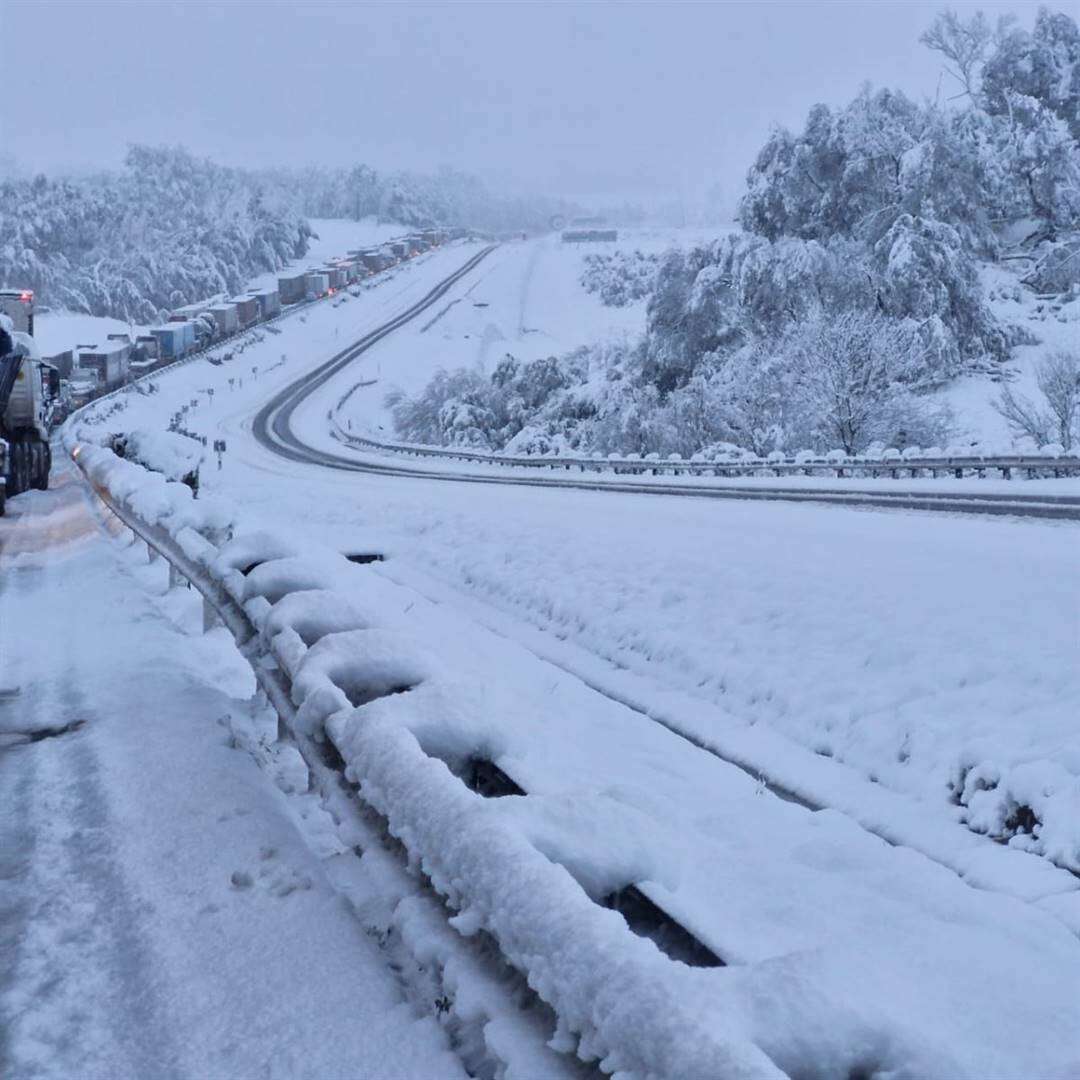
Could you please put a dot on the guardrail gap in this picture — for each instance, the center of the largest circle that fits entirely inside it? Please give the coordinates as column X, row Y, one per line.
column 649, row 921
column 487, row 779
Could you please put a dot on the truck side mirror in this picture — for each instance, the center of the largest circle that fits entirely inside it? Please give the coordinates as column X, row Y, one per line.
column 54, row 382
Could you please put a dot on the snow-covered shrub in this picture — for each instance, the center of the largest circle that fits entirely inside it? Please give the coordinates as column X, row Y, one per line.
column 449, row 411
column 174, row 456
column 1058, row 266
column 621, row 278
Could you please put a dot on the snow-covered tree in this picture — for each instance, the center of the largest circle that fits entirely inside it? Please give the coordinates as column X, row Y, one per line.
column 1043, row 65
column 1056, row 418
column 170, row 229
column 964, row 43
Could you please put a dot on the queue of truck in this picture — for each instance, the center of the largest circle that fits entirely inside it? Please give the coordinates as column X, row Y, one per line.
column 37, row 392
column 92, row 369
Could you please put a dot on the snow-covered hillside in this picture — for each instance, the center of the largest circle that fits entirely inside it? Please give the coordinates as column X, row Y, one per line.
column 1054, row 323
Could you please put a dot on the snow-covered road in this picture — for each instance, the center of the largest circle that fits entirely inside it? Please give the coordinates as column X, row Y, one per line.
column 162, row 910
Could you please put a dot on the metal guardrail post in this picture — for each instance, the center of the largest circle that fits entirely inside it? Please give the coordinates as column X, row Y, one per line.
column 176, row 579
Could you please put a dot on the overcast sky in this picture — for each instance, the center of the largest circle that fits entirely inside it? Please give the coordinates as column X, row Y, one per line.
column 582, row 99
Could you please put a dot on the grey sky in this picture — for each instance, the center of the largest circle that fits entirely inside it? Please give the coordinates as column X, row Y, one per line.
column 573, row 98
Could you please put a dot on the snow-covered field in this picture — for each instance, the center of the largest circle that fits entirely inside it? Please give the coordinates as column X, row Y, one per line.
column 526, row 300
column 166, row 909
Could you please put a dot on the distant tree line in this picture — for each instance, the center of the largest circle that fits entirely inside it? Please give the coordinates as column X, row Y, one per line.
column 170, row 228
column 445, row 197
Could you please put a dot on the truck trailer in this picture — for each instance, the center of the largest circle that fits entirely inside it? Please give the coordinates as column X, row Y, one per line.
column 269, row 302
column 175, row 339
column 292, row 288
column 29, row 400
column 226, row 317
column 374, row 261
column 335, row 275
column 317, row 284
column 109, row 363
column 18, row 305
column 247, row 310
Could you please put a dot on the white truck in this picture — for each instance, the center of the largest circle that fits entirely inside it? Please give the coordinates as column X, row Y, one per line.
column 29, row 399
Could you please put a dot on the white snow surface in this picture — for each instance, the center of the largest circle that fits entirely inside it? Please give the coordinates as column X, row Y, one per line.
column 163, row 913
column 912, row 650
column 795, row 899
column 525, row 299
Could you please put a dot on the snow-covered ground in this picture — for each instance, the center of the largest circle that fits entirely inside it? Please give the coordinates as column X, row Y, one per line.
column 1054, row 323
column 166, row 910
column 865, row 660
column 904, row 646
column 795, row 900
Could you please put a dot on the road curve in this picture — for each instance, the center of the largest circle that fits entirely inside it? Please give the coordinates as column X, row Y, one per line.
column 272, row 427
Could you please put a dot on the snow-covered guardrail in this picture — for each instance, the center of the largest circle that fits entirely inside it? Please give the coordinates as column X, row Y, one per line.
column 913, row 462
column 344, row 686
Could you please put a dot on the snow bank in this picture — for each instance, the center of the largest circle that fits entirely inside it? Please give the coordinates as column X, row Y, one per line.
column 618, row 998
column 149, row 495
column 349, row 668
column 175, row 456
column 1035, row 805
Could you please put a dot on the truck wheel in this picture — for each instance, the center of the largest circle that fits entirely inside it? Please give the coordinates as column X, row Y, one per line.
column 42, row 458
column 19, row 469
